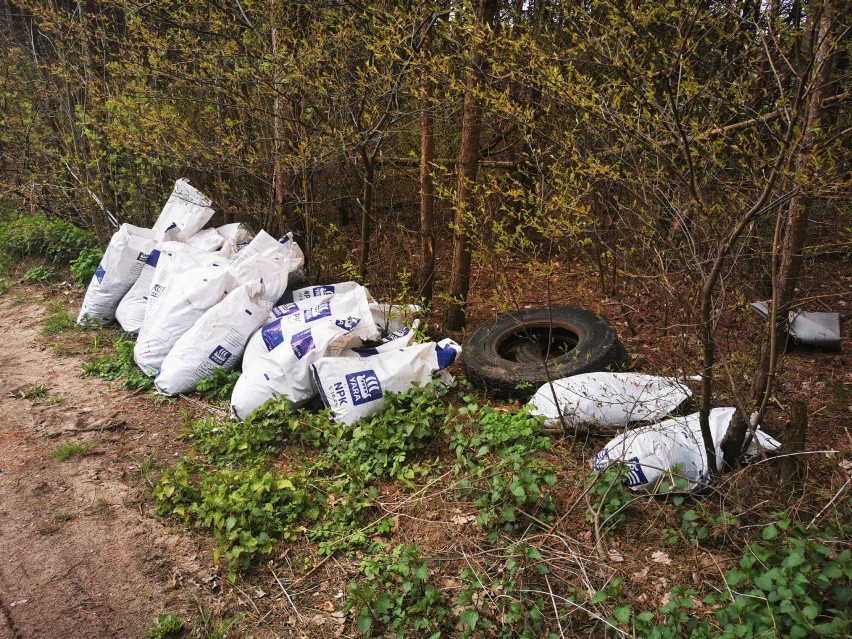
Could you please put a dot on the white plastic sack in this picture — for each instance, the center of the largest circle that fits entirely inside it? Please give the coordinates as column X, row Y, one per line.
column 293, row 317
column 187, row 208
column 206, row 240
column 180, row 307
column 235, row 237
column 672, row 449
column 266, row 245
column 216, row 340
column 272, row 271
column 121, row 265
column 285, row 370
column 355, row 388
column 392, row 342
column 608, row 399
column 165, row 264
column 322, row 290
column 391, row 318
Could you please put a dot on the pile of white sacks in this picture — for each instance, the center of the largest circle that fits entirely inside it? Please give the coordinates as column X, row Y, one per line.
column 217, row 298
column 659, row 453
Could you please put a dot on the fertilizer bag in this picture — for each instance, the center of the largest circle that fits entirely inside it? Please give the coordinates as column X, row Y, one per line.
column 292, row 317
column 659, row 454
column 607, row 399
column 216, row 340
column 355, row 388
column 121, row 265
column 187, row 208
column 284, row 371
column 181, row 306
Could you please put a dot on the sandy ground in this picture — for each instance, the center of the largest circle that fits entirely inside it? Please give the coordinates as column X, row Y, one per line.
column 80, row 554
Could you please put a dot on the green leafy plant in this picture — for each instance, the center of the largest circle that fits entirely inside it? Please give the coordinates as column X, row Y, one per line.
column 610, row 497
column 499, row 465
column 40, row 274
column 36, row 392
column 39, row 236
column 83, row 267
column 219, row 386
column 397, row 597
column 120, row 365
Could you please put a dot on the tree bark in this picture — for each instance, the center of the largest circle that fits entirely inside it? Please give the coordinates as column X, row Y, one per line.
column 454, row 317
column 798, row 212
column 427, row 188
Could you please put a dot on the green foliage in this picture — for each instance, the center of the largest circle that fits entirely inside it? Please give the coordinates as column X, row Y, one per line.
column 219, row 386
column 397, row 597
column 84, row 266
column 40, row 274
column 498, row 460
column 166, row 626
column 700, row 526
column 120, row 365
column 70, row 449
column 519, row 609
column 610, row 495
column 247, row 507
column 38, row 236
column 35, row 392
column 794, row 582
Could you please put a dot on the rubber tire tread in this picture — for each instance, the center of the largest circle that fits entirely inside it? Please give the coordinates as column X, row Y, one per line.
column 598, row 349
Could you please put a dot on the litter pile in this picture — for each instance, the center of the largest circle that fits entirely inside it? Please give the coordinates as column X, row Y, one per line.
column 217, row 298
column 659, row 455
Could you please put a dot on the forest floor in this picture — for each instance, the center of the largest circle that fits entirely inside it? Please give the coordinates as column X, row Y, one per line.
column 82, row 553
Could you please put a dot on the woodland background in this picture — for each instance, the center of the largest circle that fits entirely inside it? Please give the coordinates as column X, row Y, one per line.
column 688, row 147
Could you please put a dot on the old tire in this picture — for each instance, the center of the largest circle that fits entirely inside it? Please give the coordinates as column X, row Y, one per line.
column 507, row 355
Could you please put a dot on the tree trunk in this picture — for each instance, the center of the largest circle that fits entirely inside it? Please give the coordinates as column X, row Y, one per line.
column 798, row 213
column 454, row 317
column 427, row 189
column 795, row 435
column 366, row 213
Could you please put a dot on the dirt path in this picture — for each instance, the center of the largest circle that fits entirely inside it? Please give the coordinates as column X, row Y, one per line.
column 80, row 556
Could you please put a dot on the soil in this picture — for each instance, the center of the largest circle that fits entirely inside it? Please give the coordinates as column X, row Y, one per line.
column 82, row 553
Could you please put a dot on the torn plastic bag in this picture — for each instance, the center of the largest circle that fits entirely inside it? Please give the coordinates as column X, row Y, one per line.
column 206, row 240
column 811, row 329
column 390, row 318
column 400, row 339
column 607, row 399
column 355, row 388
column 185, row 301
column 292, row 317
column 123, row 260
column 273, row 271
column 187, row 208
column 164, row 264
column 266, row 245
column 285, row 370
column 659, row 455
column 235, row 237
column 216, row 340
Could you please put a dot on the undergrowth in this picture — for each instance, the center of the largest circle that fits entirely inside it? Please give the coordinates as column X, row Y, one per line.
column 38, row 236
column 119, row 365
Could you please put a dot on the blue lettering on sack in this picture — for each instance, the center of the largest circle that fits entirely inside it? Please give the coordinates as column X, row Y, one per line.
column 271, row 334
column 446, row 355
column 364, row 387
column 220, row 355
column 602, row 459
column 338, row 394
column 319, row 291
column 157, row 290
column 284, row 239
column 348, row 324
column 100, row 273
column 153, row 258
column 302, row 343
column 143, row 257
column 318, row 312
column 636, row 477
column 285, row 309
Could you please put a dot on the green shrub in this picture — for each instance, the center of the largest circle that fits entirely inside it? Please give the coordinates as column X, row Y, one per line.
column 40, row 274
column 120, row 365
column 38, row 236
column 84, row 266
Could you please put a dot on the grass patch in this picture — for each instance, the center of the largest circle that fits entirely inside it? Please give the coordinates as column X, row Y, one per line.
column 119, row 365
column 36, row 392
column 38, row 236
column 70, row 449
column 58, row 320
column 40, row 274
